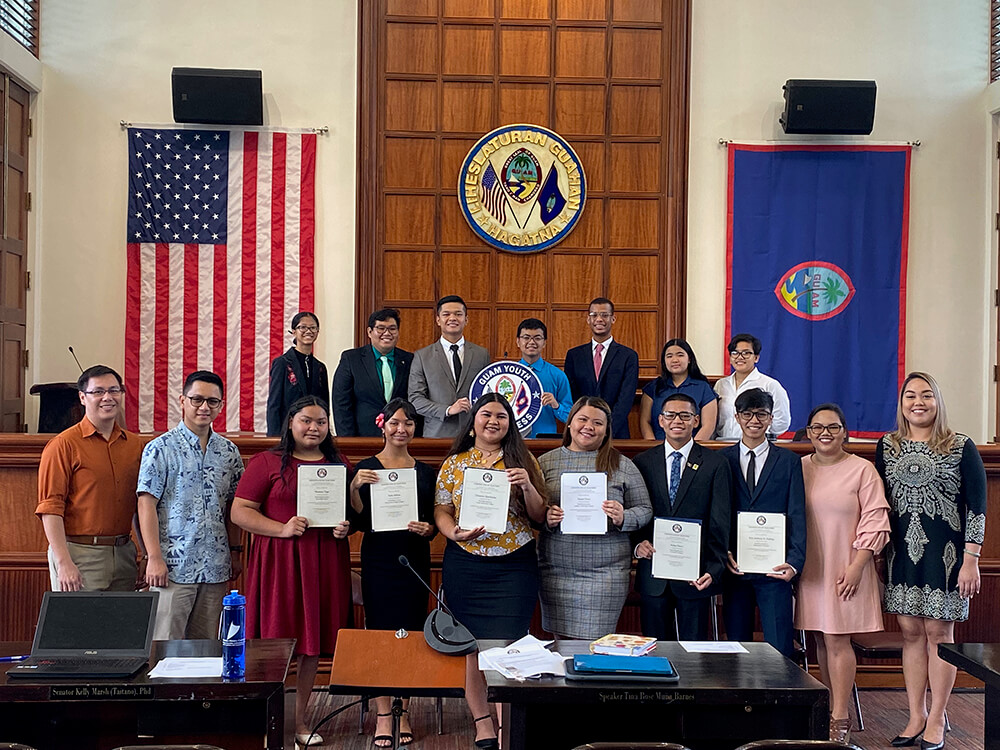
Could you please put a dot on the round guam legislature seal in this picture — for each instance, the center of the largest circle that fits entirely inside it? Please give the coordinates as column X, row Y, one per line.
column 515, row 382
column 522, row 188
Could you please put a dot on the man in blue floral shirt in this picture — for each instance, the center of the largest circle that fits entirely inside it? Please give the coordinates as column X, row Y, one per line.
column 187, row 479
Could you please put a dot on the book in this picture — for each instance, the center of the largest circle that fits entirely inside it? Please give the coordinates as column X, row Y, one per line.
column 623, row 645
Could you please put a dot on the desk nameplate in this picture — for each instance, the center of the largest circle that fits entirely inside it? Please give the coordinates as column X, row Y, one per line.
column 100, row 692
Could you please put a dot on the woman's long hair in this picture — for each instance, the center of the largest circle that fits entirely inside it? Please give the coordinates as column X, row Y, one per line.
column 942, row 438
column 694, row 372
column 515, row 452
column 608, row 457
column 286, row 447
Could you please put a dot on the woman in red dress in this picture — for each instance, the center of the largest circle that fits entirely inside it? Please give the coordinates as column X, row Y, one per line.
column 298, row 579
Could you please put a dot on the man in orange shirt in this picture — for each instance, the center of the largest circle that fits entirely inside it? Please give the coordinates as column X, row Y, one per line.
column 87, row 480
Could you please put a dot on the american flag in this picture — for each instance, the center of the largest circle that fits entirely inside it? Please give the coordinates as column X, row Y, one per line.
column 493, row 197
column 220, row 243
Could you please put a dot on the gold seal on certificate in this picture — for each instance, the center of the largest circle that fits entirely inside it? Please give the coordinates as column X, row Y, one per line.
column 322, row 494
column 581, row 497
column 485, row 497
column 677, row 543
column 760, row 541
column 394, row 499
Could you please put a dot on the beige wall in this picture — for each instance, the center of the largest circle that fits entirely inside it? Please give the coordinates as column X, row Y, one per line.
column 930, row 62
column 107, row 60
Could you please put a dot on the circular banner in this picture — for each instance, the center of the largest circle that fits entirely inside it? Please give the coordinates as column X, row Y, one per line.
column 515, row 382
column 522, row 188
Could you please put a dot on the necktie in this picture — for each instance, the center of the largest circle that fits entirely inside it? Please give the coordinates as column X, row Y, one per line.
column 675, row 476
column 456, row 362
column 386, row 377
column 597, row 360
column 752, row 472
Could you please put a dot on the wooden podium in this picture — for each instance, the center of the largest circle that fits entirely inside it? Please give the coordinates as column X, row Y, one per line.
column 372, row 663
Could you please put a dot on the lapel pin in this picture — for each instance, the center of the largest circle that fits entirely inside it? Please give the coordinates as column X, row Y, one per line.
column 693, row 466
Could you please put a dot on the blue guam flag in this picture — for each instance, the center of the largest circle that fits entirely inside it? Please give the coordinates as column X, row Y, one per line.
column 817, row 271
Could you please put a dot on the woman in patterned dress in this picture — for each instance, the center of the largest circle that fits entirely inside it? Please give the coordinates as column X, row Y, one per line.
column 490, row 580
column 936, row 485
column 584, row 578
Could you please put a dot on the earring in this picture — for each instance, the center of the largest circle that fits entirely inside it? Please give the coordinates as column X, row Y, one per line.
column 472, row 433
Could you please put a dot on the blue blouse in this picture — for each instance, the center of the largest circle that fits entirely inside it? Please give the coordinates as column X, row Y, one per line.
column 659, row 391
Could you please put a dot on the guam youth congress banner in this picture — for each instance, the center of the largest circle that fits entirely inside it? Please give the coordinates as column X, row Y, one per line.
column 817, row 241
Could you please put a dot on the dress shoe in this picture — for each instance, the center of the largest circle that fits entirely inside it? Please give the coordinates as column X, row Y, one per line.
column 305, row 739
column 925, row 745
column 902, row 741
column 840, row 730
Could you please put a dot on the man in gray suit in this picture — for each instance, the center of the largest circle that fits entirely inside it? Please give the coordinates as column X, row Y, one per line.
column 442, row 373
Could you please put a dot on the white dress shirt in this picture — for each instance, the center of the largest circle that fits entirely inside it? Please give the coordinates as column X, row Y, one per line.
column 760, row 453
column 446, row 345
column 728, row 428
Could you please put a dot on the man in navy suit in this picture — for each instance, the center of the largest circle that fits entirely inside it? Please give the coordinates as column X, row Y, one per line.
column 604, row 367
column 690, row 482
column 370, row 376
column 766, row 479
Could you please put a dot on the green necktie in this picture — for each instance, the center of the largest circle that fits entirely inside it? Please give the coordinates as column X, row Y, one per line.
column 386, row 378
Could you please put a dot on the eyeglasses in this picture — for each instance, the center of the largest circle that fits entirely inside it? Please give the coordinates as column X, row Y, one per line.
column 601, row 315
column 532, row 339
column 749, row 416
column 102, row 392
column 684, row 416
column 380, row 330
column 741, row 353
column 819, row 429
column 196, row 401
column 307, row 329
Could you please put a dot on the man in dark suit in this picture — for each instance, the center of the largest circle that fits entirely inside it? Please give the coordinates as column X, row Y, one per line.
column 370, row 376
column 442, row 373
column 766, row 479
column 685, row 481
column 604, row 367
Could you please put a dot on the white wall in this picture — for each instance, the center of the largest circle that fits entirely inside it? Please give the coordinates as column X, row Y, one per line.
column 930, row 62
column 108, row 60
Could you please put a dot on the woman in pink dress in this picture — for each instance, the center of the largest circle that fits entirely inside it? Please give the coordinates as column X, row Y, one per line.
column 298, row 579
column 847, row 524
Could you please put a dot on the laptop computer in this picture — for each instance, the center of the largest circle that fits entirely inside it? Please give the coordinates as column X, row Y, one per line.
column 91, row 634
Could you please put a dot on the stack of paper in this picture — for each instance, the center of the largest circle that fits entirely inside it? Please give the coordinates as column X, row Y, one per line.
column 523, row 659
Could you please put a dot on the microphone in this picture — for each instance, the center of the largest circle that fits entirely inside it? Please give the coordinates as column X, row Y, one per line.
column 74, row 357
column 442, row 631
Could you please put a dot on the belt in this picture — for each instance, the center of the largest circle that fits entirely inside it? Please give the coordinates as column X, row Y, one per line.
column 100, row 541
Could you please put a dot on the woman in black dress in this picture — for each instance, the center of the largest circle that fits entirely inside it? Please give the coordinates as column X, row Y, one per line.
column 936, row 486
column 296, row 373
column 392, row 595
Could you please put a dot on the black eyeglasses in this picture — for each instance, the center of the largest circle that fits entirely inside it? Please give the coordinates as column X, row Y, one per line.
column 819, row 429
column 759, row 415
column 684, row 416
column 196, row 401
column 102, row 392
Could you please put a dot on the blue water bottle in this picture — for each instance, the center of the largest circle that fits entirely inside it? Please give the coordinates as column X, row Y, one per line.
column 234, row 640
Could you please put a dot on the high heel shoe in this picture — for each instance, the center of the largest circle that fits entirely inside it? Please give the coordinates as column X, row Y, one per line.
column 840, row 730
column 488, row 743
column 925, row 745
column 903, row 741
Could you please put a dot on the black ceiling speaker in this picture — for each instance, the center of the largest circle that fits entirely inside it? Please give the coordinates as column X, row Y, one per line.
column 828, row 107
column 217, row 97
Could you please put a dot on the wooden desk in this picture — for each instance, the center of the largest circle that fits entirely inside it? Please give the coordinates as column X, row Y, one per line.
column 982, row 661
column 721, row 701
column 90, row 714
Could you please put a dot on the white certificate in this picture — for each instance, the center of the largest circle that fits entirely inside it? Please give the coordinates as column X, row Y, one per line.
column 581, row 496
column 322, row 495
column 485, row 497
column 678, row 549
column 760, row 541
column 394, row 499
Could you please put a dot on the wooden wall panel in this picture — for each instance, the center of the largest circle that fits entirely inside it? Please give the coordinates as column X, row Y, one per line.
column 611, row 76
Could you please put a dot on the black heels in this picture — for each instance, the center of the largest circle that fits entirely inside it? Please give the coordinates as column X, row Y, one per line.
column 903, row 741
column 489, row 743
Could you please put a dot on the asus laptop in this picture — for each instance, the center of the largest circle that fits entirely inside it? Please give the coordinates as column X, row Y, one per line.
column 91, row 634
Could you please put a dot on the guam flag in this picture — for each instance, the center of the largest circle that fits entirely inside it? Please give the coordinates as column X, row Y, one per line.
column 817, row 271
